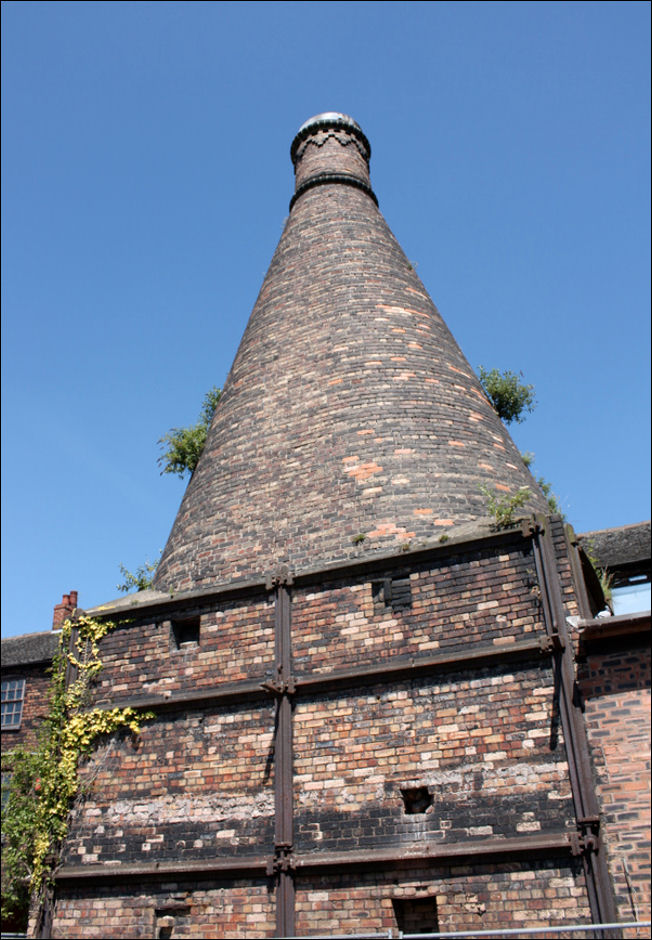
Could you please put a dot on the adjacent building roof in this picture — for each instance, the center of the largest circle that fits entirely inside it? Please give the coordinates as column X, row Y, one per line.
column 616, row 548
column 29, row 649
column 350, row 422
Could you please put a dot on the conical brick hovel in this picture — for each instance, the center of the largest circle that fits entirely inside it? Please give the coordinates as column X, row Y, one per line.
column 350, row 422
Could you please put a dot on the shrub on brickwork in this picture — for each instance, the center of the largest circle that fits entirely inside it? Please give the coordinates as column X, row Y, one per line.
column 183, row 446
column 140, row 580
column 45, row 782
column 511, row 398
column 504, row 508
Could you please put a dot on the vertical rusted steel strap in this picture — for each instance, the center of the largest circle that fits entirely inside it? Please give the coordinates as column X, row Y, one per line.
column 599, row 888
column 578, row 576
column 283, row 773
column 285, row 906
column 283, row 750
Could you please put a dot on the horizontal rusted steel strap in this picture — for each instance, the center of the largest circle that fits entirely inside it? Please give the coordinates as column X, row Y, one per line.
column 208, row 867
column 225, row 693
column 404, row 666
column 541, row 845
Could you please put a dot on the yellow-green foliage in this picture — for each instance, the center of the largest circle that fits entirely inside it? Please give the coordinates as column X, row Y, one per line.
column 45, row 781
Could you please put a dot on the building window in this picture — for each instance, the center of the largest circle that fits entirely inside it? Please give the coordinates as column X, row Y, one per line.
column 13, row 695
column 631, row 595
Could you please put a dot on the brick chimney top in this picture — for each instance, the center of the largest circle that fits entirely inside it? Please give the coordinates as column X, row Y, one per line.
column 64, row 610
column 331, row 148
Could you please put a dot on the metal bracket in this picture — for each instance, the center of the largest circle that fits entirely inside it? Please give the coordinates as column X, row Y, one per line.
column 287, row 687
column 551, row 644
column 588, row 837
column 283, row 860
column 533, row 526
column 530, row 527
column 280, row 576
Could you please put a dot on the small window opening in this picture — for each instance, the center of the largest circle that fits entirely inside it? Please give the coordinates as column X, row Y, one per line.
column 416, row 915
column 395, row 593
column 185, row 632
column 416, row 800
column 13, row 695
column 630, row 595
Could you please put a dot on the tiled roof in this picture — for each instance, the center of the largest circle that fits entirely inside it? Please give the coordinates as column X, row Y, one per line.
column 28, row 648
column 624, row 545
column 350, row 422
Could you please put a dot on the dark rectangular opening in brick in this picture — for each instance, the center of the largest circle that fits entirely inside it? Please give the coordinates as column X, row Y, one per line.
column 185, row 632
column 395, row 593
column 171, row 921
column 416, row 915
column 416, row 799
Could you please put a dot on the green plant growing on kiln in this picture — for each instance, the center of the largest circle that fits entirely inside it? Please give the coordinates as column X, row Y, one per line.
column 510, row 398
column 505, row 507
column 183, row 446
column 142, row 579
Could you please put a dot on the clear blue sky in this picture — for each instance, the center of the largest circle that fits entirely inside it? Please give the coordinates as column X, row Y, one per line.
column 146, row 178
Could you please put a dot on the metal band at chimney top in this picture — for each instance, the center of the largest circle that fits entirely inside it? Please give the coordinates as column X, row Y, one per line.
column 344, row 179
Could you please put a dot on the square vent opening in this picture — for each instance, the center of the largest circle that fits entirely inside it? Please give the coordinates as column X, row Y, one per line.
column 416, row 915
column 184, row 632
column 416, row 800
column 392, row 593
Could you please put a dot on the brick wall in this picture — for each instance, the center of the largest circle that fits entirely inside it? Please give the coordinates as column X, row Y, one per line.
column 481, row 747
column 482, row 897
column 615, row 684
column 236, row 641
column 480, row 596
column 193, row 785
column 187, row 910
column 449, row 757
column 463, row 897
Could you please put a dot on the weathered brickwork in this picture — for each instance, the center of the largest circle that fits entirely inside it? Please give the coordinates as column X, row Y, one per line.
column 365, row 703
column 349, row 410
column 463, row 897
column 235, row 641
column 480, row 743
column 482, row 596
column 502, row 896
column 615, row 685
column 194, row 785
column 493, row 766
column 199, row 910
